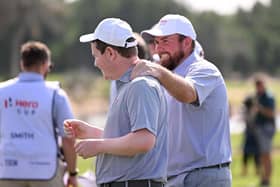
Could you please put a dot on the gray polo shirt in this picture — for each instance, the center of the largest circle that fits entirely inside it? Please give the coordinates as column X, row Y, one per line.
column 199, row 133
column 139, row 104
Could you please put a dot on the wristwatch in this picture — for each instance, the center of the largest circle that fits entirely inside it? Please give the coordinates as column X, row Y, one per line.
column 73, row 173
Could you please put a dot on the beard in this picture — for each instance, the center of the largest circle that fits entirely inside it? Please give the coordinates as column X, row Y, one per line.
column 171, row 61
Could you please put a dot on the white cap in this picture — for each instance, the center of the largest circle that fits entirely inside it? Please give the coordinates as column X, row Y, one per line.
column 172, row 24
column 112, row 31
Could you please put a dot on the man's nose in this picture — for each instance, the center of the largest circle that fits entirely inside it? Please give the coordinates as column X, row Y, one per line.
column 159, row 48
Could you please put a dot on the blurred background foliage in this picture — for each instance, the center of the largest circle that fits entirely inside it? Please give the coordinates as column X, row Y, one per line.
column 238, row 44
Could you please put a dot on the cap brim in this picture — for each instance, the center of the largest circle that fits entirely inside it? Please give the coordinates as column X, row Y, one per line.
column 87, row 38
column 146, row 36
column 154, row 32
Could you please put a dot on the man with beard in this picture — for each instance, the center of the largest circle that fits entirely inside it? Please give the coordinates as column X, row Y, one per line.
column 199, row 138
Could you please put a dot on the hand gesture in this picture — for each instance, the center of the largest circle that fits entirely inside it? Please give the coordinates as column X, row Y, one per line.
column 88, row 148
column 72, row 181
column 144, row 67
column 77, row 129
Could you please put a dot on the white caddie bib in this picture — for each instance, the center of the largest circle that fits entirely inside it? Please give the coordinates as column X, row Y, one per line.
column 28, row 148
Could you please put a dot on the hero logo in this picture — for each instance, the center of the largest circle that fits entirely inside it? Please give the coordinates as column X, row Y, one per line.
column 24, row 107
column 8, row 102
column 21, row 103
column 27, row 104
column 163, row 22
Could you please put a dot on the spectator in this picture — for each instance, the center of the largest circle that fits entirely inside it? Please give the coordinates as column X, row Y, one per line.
column 265, row 127
column 31, row 118
column 250, row 145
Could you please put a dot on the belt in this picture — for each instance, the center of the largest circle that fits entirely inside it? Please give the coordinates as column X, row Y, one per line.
column 223, row 165
column 134, row 183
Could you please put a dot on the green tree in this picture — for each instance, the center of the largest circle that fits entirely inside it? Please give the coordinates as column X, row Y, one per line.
column 263, row 27
column 28, row 19
column 86, row 14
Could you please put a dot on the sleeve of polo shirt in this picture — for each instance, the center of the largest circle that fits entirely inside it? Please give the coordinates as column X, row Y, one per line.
column 62, row 110
column 143, row 106
column 205, row 77
column 270, row 102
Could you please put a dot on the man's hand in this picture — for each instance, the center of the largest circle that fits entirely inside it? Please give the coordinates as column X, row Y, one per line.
column 145, row 67
column 72, row 181
column 89, row 148
column 77, row 129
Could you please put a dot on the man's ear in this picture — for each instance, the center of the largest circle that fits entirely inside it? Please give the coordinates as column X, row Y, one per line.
column 110, row 53
column 187, row 42
column 187, row 45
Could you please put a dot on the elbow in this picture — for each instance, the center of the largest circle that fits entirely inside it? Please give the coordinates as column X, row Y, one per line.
column 147, row 144
column 188, row 97
column 187, row 94
column 140, row 142
column 192, row 97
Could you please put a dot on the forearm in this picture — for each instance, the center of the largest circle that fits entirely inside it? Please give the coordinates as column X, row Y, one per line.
column 181, row 89
column 91, row 132
column 69, row 154
column 129, row 145
column 95, row 132
column 268, row 112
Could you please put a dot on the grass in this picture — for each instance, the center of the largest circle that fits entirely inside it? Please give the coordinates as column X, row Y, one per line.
column 251, row 180
column 86, row 164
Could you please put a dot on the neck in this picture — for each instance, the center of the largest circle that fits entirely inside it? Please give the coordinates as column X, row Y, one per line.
column 125, row 64
column 34, row 69
column 133, row 60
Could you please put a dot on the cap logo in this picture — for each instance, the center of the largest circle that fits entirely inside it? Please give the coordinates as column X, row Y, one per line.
column 172, row 24
column 163, row 22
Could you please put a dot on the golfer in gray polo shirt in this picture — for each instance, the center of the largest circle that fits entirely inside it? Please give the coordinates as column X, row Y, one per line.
column 132, row 149
column 198, row 111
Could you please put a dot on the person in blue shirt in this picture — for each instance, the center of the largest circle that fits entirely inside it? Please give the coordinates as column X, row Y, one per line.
column 198, row 110
column 32, row 113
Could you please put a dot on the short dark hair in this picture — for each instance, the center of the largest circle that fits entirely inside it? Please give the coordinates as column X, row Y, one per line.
column 142, row 47
column 33, row 53
column 125, row 52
